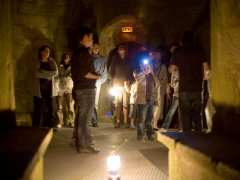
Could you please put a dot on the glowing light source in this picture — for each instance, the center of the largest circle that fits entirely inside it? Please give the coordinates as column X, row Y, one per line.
column 128, row 29
column 113, row 166
column 145, row 61
column 115, row 91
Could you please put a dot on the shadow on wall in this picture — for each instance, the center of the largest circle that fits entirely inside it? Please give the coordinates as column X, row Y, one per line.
column 226, row 119
column 25, row 72
column 7, row 120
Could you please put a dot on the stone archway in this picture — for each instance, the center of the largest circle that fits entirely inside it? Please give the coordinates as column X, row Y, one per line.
column 112, row 34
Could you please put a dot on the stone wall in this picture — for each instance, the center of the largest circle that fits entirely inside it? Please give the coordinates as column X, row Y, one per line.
column 35, row 23
column 225, row 48
column 7, row 100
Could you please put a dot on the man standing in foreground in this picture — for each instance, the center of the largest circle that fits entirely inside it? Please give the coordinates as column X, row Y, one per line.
column 84, row 78
column 191, row 64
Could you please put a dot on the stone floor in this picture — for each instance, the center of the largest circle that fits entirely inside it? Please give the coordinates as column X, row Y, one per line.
column 139, row 160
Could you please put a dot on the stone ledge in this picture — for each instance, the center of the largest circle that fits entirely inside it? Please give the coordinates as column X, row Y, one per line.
column 212, row 153
column 21, row 150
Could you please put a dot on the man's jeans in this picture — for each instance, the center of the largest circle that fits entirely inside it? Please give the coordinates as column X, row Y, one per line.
column 190, row 110
column 84, row 105
column 171, row 112
column 95, row 117
column 144, row 119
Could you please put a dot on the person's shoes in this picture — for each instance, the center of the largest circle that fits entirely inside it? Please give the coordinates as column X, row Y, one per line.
column 117, row 125
column 127, row 126
column 163, row 130
column 71, row 125
column 140, row 139
column 150, row 138
column 59, row 126
column 132, row 126
column 95, row 125
column 89, row 149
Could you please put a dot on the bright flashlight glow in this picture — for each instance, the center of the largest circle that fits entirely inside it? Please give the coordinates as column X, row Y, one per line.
column 115, row 91
column 113, row 163
column 145, row 61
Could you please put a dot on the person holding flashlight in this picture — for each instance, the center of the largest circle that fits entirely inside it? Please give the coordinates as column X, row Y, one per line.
column 147, row 83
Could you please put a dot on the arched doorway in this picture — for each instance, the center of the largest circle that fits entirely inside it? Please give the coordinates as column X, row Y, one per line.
column 121, row 29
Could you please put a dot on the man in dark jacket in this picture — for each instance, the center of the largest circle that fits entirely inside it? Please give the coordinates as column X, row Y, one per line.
column 190, row 63
column 84, row 78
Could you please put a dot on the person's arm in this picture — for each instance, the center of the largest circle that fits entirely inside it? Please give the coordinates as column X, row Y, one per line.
column 173, row 62
column 155, row 78
column 163, row 75
column 44, row 74
column 90, row 75
column 81, row 67
column 103, row 72
column 127, row 86
column 206, row 71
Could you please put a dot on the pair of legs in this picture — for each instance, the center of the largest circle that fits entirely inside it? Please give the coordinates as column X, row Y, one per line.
column 171, row 112
column 133, row 115
column 158, row 112
column 190, row 110
column 144, row 120
column 84, row 106
column 95, row 118
column 121, row 105
column 45, row 112
column 66, row 109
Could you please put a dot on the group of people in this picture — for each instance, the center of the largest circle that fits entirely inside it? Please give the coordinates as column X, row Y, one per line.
column 143, row 82
column 159, row 85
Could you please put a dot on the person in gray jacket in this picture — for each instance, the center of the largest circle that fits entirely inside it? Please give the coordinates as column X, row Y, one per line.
column 46, row 89
column 99, row 63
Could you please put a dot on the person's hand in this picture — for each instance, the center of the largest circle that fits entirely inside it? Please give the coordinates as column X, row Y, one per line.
column 126, row 84
column 151, row 69
column 169, row 91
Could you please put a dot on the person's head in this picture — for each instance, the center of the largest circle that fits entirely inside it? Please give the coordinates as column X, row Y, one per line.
column 187, row 38
column 95, row 49
column 122, row 51
column 158, row 56
column 143, row 48
column 135, row 75
column 44, row 52
column 173, row 47
column 85, row 37
column 66, row 58
column 146, row 69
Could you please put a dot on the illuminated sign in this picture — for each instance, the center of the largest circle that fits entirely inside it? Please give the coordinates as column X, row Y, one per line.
column 128, row 29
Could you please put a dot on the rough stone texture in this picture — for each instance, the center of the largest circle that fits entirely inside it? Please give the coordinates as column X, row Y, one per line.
column 225, row 46
column 7, row 100
column 35, row 23
column 202, row 156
